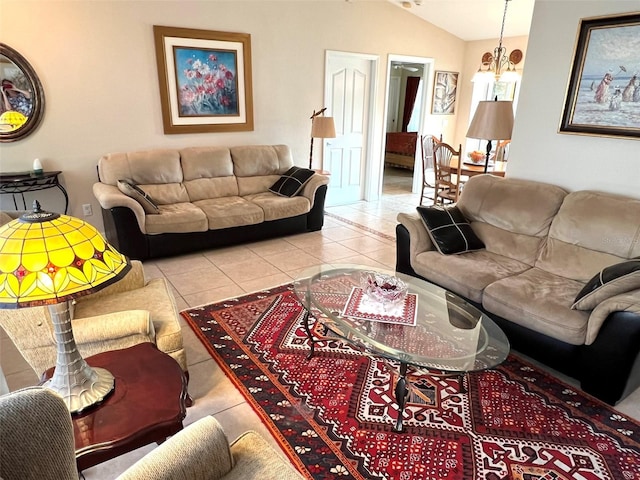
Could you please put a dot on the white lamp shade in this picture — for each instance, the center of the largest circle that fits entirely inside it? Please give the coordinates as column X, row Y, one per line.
column 493, row 120
column 323, row 127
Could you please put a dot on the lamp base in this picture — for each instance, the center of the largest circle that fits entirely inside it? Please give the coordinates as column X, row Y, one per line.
column 79, row 385
column 87, row 389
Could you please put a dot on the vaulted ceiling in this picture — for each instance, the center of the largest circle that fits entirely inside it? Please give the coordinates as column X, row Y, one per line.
column 473, row 19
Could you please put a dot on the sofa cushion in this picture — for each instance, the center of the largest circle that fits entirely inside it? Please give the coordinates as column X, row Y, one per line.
column 619, row 278
column 255, row 160
column 228, row 212
column 142, row 168
column 276, row 207
column 449, row 230
column 291, row 182
column 177, row 218
column 138, row 194
column 257, row 184
column 540, row 301
column 591, row 231
column 467, row 274
column 511, row 216
column 208, row 173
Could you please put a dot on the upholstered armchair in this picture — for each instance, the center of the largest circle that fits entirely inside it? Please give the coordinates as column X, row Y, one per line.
column 36, row 443
column 121, row 315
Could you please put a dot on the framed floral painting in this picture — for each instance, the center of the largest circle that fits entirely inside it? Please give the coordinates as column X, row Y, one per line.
column 205, row 80
column 603, row 96
column 445, row 87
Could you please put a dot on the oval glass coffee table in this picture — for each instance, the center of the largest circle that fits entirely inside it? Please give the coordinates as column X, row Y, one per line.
column 432, row 329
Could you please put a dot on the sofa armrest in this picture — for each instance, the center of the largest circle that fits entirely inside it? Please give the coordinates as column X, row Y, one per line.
column 624, row 302
column 309, row 190
column 201, row 450
column 420, row 240
column 109, row 196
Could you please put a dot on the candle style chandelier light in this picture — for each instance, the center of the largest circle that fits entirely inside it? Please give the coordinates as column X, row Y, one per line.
column 498, row 66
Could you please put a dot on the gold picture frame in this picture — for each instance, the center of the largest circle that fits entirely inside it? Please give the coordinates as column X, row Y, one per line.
column 205, row 80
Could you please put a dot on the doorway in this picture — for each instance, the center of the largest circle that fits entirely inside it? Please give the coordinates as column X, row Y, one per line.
column 409, row 82
column 350, row 83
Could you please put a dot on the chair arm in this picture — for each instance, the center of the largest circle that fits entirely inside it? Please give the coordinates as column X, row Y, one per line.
column 31, row 331
column 624, row 302
column 201, row 450
column 109, row 196
column 420, row 240
column 309, row 190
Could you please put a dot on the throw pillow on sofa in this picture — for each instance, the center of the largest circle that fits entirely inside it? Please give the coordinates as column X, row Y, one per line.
column 613, row 280
column 142, row 197
column 291, row 182
column 450, row 232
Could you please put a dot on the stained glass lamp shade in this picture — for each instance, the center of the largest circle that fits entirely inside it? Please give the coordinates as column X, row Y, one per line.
column 50, row 259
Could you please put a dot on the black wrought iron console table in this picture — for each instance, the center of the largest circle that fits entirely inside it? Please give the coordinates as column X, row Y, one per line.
column 18, row 183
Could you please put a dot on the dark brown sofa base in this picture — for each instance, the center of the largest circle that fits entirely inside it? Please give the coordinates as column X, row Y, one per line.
column 122, row 231
column 606, row 369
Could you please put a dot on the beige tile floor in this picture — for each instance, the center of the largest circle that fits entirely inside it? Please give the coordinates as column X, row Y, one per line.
column 214, row 275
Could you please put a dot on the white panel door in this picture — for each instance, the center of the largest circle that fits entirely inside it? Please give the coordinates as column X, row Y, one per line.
column 348, row 86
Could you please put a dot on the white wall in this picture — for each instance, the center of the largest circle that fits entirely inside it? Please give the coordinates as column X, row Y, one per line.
column 97, row 63
column 538, row 151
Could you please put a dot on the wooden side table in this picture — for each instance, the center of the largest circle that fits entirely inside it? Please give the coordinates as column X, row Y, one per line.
column 147, row 405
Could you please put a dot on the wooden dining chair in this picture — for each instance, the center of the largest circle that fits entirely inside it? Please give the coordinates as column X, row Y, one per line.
column 448, row 168
column 428, row 169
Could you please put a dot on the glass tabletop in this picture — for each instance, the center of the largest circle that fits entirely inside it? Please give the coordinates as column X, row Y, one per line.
column 449, row 334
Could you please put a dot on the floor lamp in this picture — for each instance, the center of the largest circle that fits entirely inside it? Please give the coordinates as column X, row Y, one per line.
column 321, row 127
column 48, row 259
column 493, row 120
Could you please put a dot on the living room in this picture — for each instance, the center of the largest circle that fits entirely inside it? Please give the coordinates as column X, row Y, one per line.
column 96, row 61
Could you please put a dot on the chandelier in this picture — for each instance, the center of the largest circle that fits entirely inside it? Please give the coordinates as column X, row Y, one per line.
column 498, row 66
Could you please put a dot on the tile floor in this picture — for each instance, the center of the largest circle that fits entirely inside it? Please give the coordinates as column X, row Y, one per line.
column 215, row 275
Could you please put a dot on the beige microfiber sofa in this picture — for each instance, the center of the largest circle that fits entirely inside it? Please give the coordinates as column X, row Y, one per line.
column 543, row 245
column 121, row 315
column 206, row 197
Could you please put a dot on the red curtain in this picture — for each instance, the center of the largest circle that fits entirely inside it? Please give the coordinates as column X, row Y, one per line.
column 409, row 100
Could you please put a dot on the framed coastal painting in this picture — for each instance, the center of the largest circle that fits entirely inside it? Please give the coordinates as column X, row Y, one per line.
column 445, row 88
column 205, row 80
column 603, row 95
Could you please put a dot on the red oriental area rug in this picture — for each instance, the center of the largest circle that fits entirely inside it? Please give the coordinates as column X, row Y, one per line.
column 334, row 413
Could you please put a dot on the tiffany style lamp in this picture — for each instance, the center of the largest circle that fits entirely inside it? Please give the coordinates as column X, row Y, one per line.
column 50, row 259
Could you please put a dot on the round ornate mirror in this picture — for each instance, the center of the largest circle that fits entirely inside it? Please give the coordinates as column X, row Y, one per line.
column 21, row 96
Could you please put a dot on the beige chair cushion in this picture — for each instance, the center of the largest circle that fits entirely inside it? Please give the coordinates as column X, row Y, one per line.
column 541, row 301
column 466, row 274
column 511, row 216
column 228, row 212
column 177, row 218
column 276, row 207
column 155, row 297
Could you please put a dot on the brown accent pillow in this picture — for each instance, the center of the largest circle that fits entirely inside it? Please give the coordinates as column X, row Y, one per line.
column 142, row 197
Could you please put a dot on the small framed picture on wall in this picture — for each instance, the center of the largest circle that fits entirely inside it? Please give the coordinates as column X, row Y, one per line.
column 445, row 89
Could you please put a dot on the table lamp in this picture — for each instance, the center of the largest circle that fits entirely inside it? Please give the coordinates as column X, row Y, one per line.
column 50, row 259
column 493, row 120
column 321, row 127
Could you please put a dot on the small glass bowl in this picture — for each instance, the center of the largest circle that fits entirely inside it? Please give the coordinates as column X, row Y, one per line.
column 383, row 288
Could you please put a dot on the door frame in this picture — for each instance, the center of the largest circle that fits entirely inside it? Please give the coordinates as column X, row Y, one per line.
column 370, row 190
column 428, row 79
